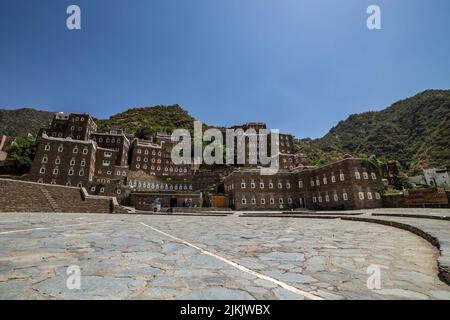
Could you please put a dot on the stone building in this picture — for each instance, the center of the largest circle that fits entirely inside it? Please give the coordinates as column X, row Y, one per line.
column 115, row 140
column 154, row 158
column 247, row 189
column 64, row 161
column 346, row 184
column 74, row 126
column 389, row 171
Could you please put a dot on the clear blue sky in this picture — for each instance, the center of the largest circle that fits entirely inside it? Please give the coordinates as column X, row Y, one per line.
column 299, row 65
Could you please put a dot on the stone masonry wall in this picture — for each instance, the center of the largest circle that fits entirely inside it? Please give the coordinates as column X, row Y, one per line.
column 427, row 198
column 20, row 196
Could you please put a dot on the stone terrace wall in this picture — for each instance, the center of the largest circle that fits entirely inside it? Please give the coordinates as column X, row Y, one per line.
column 20, row 196
column 427, row 198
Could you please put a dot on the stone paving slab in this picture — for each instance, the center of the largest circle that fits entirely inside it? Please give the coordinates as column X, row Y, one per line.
column 430, row 224
column 120, row 258
column 435, row 231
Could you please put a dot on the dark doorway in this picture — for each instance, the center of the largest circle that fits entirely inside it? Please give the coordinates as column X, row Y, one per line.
column 302, row 203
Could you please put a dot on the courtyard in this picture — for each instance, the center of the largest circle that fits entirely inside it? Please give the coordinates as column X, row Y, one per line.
column 212, row 257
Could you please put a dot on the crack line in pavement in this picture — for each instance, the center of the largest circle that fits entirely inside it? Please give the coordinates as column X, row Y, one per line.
column 48, row 228
column 240, row 267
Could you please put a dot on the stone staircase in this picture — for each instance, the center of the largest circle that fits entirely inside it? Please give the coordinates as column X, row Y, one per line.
column 53, row 204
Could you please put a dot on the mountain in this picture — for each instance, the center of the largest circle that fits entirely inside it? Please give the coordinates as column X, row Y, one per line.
column 20, row 122
column 147, row 121
column 414, row 131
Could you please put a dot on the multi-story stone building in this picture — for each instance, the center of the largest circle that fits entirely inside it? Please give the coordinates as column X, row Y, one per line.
column 389, row 171
column 256, row 132
column 346, row 184
column 115, row 140
column 64, row 162
column 74, row 126
column 247, row 189
column 155, row 159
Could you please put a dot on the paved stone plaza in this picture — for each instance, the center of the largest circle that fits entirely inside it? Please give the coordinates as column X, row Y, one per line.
column 205, row 257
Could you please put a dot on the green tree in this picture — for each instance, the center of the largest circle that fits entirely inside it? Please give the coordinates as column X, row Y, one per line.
column 22, row 151
column 401, row 182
